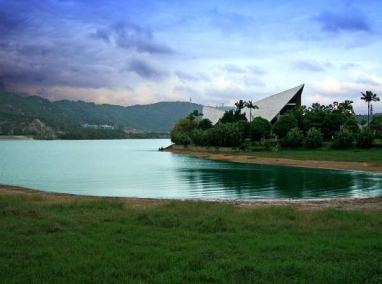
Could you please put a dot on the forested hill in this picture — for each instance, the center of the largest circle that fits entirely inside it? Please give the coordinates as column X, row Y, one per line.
column 158, row 117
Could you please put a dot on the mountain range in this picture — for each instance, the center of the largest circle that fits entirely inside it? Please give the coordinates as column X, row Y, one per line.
column 157, row 117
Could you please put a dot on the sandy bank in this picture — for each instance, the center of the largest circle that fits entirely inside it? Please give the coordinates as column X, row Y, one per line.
column 351, row 166
column 7, row 137
column 364, row 204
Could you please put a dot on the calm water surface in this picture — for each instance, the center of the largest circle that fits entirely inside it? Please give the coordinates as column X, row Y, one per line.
column 135, row 168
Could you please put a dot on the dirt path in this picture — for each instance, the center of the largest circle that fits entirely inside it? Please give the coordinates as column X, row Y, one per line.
column 281, row 162
column 363, row 204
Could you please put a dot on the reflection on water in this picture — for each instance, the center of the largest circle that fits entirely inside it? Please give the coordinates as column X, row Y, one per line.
column 136, row 168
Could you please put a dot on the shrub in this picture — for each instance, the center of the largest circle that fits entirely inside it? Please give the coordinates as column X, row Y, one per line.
column 284, row 125
column 225, row 135
column 344, row 139
column 205, row 124
column 365, row 138
column 199, row 137
column 294, row 138
column 258, row 128
column 233, row 116
column 313, row 138
column 243, row 127
column 180, row 138
column 180, row 133
column 244, row 146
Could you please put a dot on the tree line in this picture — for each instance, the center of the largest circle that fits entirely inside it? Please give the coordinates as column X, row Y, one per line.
column 299, row 127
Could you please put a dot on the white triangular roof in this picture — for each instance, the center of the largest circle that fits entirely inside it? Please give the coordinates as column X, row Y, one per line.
column 269, row 107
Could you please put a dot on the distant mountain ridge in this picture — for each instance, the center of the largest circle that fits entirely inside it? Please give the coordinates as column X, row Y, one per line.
column 157, row 117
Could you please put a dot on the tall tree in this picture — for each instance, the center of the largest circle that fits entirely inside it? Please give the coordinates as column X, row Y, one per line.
column 346, row 108
column 369, row 97
column 240, row 105
column 251, row 106
column 194, row 114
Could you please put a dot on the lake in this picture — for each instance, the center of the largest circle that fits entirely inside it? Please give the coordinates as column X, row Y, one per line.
column 135, row 168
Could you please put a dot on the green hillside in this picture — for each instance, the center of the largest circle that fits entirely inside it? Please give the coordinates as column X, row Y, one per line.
column 158, row 117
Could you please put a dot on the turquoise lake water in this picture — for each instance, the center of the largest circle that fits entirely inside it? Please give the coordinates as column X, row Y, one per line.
column 135, row 168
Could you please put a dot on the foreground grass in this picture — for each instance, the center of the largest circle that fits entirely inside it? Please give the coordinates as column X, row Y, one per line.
column 372, row 156
column 104, row 241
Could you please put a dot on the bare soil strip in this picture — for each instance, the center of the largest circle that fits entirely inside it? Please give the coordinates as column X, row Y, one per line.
column 362, row 204
column 350, row 166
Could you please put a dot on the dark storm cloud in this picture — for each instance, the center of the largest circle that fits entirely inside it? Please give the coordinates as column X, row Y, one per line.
column 132, row 36
column 345, row 20
column 145, row 69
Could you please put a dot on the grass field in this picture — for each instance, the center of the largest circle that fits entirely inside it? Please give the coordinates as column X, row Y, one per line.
column 104, row 241
column 372, row 156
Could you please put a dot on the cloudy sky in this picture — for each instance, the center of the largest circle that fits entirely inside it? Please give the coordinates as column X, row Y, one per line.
column 130, row 52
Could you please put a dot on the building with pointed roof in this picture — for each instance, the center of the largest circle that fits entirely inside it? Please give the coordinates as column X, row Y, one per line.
column 269, row 108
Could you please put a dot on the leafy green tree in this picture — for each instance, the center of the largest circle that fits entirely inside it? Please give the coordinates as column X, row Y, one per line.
column 344, row 139
column 351, row 124
column 346, row 108
column 377, row 120
column 182, row 130
column 232, row 116
column 180, row 138
column 331, row 124
column 369, row 97
column 224, row 135
column 194, row 114
column 294, row 138
column 205, row 124
column 313, row 138
column 259, row 127
column 256, row 130
column 365, row 138
column 199, row 137
column 284, row 125
column 251, row 106
column 243, row 127
column 240, row 105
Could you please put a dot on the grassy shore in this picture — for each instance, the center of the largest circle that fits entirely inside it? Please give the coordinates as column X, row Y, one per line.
column 76, row 240
column 372, row 156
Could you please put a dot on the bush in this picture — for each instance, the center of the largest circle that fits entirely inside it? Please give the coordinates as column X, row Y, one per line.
column 181, row 132
column 205, row 124
column 224, row 135
column 365, row 138
column 258, row 128
column 180, row 138
column 344, row 140
column 294, row 138
column 199, row 137
column 243, row 127
column 231, row 116
column 284, row 125
column 313, row 138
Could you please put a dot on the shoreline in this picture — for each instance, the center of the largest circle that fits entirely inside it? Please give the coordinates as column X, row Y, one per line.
column 15, row 137
column 343, row 203
column 314, row 164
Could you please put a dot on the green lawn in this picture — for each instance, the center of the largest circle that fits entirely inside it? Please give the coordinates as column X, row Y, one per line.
column 103, row 241
column 372, row 156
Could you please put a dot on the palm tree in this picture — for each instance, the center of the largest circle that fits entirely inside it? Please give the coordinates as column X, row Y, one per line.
column 251, row 106
column 369, row 97
column 346, row 108
column 240, row 105
column 194, row 114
